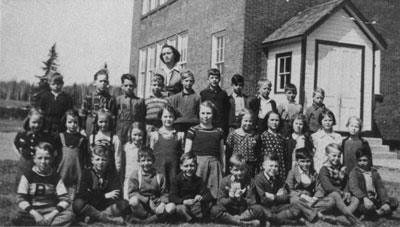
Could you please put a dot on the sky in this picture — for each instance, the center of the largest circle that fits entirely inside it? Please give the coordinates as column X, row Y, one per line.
column 87, row 34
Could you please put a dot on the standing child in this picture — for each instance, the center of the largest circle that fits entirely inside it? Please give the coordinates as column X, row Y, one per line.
column 207, row 142
column 130, row 107
column 289, row 109
column 313, row 112
column 188, row 191
column 102, row 134
column 273, row 194
column 186, row 103
column 129, row 162
column 323, row 137
column 246, row 141
column 366, row 184
column 147, row 191
column 334, row 180
column 99, row 196
column 236, row 203
column 55, row 103
column 41, row 195
column 154, row 103
column 305, row 188
column 74, row 155
column 272, row 142
column 262, row 104
column 298, row 138
column 97, row 100
column 238, row 102
column 352, row 143
column 219, row 98
column 26, row 141
column 167, row 145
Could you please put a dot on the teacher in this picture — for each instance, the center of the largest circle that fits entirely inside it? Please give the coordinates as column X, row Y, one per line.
column 170, row 70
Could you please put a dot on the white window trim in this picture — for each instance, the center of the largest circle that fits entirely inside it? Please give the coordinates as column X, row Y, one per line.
column 183, row 49
column 218, row 51
column 142, row 72
column 279, row 88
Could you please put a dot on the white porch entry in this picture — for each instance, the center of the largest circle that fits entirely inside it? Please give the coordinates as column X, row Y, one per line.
column 340, row 75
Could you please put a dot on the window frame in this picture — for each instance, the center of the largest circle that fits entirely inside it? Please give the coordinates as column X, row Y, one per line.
column 217, row 51
column 141, row 80
column 278, row 75
column 182, row 47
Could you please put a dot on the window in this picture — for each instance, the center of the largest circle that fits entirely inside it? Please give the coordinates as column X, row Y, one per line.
column 283, row 71
column 163, row 1
column 218, row 51
column 145, row 6
column 172, row 41
column 151, row 64
column 153, row 4
column 182, row 48
column 142, row 73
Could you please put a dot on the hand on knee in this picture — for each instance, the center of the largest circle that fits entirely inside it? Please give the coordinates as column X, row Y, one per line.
column 170, row 208
column 134, row 202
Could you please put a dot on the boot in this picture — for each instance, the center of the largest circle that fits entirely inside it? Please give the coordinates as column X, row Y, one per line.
column 247, row 218
column 235, row 220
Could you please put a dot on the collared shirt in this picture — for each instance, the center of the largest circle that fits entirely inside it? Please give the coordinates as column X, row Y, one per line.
column 55, row 94
column 169, row 72
column 239, row 103
column 265, row 107
column 304, row 177
column 368, row 182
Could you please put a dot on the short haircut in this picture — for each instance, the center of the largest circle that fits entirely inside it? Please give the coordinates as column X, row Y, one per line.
column 45, row 146
column 101, row 72
column 157, row 78
column 271, row 157
column 214, row 72
column 170, row 109
column 268, row 115
column 186, row 74
column 34, row 112
column 333, row 146
column 291, row 87
column 303, row 153
column 128, row 76
column 146, row 152
column 237, row 160
column 102, row 150
column 326, row 113
column 260, row 82
column 364, row 151
column 244, row 112
column 302, row 117
column 319, row 90
column 137, row 125
column 187, row 156
column 237, row 79
column 210, row 105
column 56, row 78
column 360, row 123
column 175, row 52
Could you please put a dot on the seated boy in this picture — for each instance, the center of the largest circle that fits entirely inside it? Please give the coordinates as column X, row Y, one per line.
column 147, row 191
column 236, row 203
column 41, row 195
column 188, row 191
column 305, row 189
column 100, row 195
column 366, row 184
column 274, row 196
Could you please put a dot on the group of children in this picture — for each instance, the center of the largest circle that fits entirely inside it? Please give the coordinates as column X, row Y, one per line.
column 233, row 159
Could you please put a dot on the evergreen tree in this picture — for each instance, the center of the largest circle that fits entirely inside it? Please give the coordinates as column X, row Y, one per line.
column 51, row 63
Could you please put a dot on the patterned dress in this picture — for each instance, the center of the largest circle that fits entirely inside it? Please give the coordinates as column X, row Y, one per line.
column 320, row 140
column 275, row 144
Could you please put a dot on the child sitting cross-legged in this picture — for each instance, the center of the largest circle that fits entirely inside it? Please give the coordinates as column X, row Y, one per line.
column 41, row 195
column 305, row 188
column 147, row 191
column 100, row 191
column 188, row 191
column 274, row 196
column 366, row 184
column 236, row 202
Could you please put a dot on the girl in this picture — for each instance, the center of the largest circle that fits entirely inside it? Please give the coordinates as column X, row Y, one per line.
column 298, row 138
column 102, row 134
column 136, row 139
column 353, row 142
column 273, row 142
column 334, row 179
column 74, row 155
column 245, row 141
column 167, row 144
column 207, row 143
column 26, row 141
column 323, row 137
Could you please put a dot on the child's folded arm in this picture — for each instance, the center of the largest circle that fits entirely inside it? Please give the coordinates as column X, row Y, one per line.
column 250, row 194
column 326, row 181
column 264, row 200
column 354, row 185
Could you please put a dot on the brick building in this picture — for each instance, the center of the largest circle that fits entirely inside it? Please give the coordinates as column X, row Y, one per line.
column 257, row 38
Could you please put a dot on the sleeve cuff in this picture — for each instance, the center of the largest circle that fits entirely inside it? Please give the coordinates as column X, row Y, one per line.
column 28, row 209
column 60, row 209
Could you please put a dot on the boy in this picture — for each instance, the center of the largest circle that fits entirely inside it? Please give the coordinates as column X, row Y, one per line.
column 130, row 107
column 188, row 191
column 238, row 101
column 289, row 109
column 55, row 103
column 100, row 192
column 236, row 198
column 305, row 189
column 219, row 97
column 147, row 191
column 154, row 103
column 41, row 195
column 98, row 99
column 274, row 196
column 313, row 112
column 366, row 184
column 262, row 104
column 187, row 103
